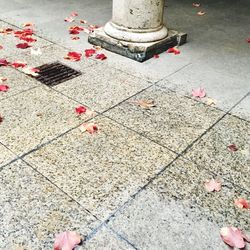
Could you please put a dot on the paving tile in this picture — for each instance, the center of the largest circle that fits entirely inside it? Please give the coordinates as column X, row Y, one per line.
column 6, row 156
column 175, row 212
column 225, row 87
column 17, row 82
column 51, row 54
column 211, row 150
column 34, row 210
column 105, row 239
column 243, row 108
column 9, row 42
column 153, row 69
column 36, row 116
column 102, row 170
column 175, row 121
column 102, row 87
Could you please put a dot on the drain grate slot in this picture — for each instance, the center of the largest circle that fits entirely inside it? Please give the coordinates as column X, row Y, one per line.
column 55, row 73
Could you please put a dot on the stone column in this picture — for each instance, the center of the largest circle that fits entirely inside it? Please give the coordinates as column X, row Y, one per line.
column 136, row 30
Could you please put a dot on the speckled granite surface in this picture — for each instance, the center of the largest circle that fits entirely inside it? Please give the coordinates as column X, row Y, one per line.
column 102, row 170
column 176, row 208
column 211, row 151
column 123, row 188
column 175, row 122
column 35, row 116
column 33, row 210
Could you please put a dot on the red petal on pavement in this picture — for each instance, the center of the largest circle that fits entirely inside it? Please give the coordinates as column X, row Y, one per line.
column 174, row 50
column 22, row 45
column 80, row 110
column 4, row 88
column 73, row 56
column 89, row 52
column 3, row 62
column 233, row 237
column 212, row 185
column 101, row 56
column 18, row 64
column 242, row 203
column 232, row 147
column 67, row 241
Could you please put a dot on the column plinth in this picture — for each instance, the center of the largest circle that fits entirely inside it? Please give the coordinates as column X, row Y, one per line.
column 136, row 30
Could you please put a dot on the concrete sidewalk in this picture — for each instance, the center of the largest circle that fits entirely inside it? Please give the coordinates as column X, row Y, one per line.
column 138, row 182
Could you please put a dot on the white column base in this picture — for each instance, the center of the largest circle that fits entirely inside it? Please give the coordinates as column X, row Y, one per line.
column 135, row 35
column 137, row 51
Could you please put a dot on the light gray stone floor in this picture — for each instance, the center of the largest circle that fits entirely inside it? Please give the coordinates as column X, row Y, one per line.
column 138, row 182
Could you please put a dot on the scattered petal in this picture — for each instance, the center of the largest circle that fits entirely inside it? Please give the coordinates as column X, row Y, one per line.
column 242, row 203
column 248, row 40
column 69, row 19
column 3, row 79
column 156, row 56
column 27, row 39
column 22, row 45
column 67, row 240
column 35, row 52
column 80, row 110
column 75, row 38
column 146, row 104
column 212, row 185
column 1, row 47
column 18, row 64
column 101, row 56
column 4, row 88
column 83, row 21
column 201, row 13
column 30, row 71
column 232, row 147
column 75, row 30
column 233, row 237
column 174, row 50
column 74, row 14
column 97, row 47
column 196, row 5
column 211, row 102
column 200, row 93
column 3, row 62
column 27, row 24
column 6, row 31
column 89, row 127
column 89, row 52
column 73, row 56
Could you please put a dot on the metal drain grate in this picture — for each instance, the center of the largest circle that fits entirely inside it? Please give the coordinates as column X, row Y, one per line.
column 55, row 73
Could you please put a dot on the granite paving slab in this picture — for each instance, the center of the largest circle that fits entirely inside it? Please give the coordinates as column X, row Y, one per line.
column 243, row 108
column 175, row 122
column 34, row 210
column 211, row 150
column 36, row 116
column 175, row 212
column 226, row 87
column 6, row 155
column 9, row 42
column 17, row 82
column 102, row 87
column 51, row 54
column 105, row 239
column 102, row 170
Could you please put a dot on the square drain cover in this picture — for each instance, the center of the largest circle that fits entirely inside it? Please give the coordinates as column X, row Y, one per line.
column 52, row 74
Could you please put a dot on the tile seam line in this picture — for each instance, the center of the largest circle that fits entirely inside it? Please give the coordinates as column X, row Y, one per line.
column 19, row 93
